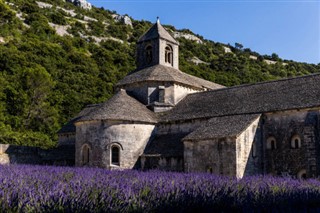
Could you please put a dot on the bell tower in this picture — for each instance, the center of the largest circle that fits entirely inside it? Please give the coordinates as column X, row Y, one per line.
column 157, row 82
column 157, row 46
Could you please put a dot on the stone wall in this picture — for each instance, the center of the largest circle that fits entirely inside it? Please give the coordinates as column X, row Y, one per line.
column 216, row 156
column 172, row 162
column 179, row 127
column 248, row 151
column 181, row 92
column 233, row 156
column 12, row 154
column 66, row 138
column 141, row 56
column 148, row 92
column 250, row 154
column 286, row 158
column 162, row 163
column 100, row 136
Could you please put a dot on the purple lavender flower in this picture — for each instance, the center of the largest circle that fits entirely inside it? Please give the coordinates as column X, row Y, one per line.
column 25, row 188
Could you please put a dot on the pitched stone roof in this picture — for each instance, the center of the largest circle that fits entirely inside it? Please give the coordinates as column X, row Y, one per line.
column 121, row 107
column 220, row 127
column 157, row 31
column 168, row 74
column 70, row 127
column 168, row 145
column 285, row 94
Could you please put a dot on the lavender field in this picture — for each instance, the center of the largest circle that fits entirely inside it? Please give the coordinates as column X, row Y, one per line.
column 25, row 188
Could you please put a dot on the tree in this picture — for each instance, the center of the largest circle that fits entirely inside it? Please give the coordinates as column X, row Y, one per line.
column 38, row 85
column 97, row 28
column 3, row 84
column 6, row 14
column 238, row 46
column 58, row 18
column 275, row 57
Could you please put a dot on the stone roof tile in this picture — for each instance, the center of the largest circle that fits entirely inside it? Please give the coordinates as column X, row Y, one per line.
column 220, row 127
column 121, row 107
column 157, row 31
column 70, row 127
column 286, row 94
column 168, row 74
column 168, row 145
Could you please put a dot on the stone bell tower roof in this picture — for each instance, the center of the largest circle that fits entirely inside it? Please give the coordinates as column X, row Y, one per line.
column 155, row 32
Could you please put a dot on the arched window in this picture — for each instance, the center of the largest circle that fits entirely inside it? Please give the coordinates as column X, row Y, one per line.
column 115, row 155
column 86, row 152
column 149, row 55
column 302, row 174
column 169, row 55
column 161, row 94
column 254, row 149
column 271, row 143
column 295, row 142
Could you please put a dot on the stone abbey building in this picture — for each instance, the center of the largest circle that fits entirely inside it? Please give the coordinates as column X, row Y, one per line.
column 163, row 118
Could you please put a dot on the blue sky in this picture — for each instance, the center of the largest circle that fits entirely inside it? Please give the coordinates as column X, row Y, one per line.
column 290, row 29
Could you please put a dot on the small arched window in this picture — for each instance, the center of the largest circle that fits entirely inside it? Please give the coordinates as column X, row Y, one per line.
column 149, row 55
column 254, row 149
column 115, row 155
column 302, row 174
column 86, row 152
column 169, row 55
column 295, row 142
column 161, row 94
column 271, row 143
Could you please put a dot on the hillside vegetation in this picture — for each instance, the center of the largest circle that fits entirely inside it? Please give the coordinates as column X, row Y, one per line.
column 55, row 58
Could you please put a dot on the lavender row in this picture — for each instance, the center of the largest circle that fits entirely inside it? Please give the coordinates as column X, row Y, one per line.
column 25, row 188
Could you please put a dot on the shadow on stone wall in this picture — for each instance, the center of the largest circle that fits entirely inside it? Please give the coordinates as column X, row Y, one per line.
column 284, row 159
column 12, row 154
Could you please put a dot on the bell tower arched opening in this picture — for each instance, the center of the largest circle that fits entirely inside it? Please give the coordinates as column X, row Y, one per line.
column 169, row 55
column 149, row 55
